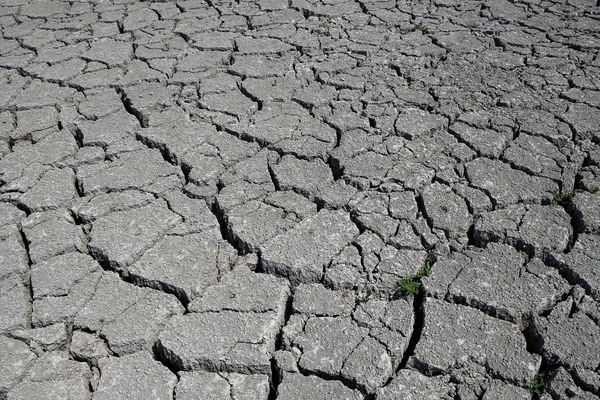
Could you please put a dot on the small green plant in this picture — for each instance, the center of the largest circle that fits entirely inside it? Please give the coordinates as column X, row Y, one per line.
column 425, row 270
column 368, row 295
column 539, row 384
column 445, row 208
column 409, row 286
column 324, row 24
column 559, row 197
column 556, row 197
column 424, row 28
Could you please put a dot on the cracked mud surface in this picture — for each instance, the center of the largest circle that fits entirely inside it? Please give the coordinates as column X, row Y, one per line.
column 231, row 200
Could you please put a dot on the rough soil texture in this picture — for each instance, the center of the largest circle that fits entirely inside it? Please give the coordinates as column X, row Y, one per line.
column 300, row 200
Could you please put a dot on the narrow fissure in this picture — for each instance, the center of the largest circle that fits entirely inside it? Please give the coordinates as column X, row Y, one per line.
column 275, row 373
column 27, row 279
column 419, row 324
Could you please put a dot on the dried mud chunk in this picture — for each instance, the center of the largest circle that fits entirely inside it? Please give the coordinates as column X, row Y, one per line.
column 121, row 237
column 411, row 385
column 586, row 207
column 16, row 358
column 496, row 344
column 299, row 387
column 508, row 186
column 137, row 376
column 221, row 386
column 54, row 376
column 127, row 316
column 232, row 327
column 135, row 170
column 182, row 265
column 302, row 253
column 446, row 210
column 570, row 338
column 580, row 265
column 497, row 280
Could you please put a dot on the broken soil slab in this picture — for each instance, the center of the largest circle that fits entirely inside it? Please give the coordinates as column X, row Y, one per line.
column 302, row 253
column 232, row 327
column 452, row 333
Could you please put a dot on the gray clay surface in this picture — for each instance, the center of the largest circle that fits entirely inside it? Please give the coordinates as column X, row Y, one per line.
column 303, row 199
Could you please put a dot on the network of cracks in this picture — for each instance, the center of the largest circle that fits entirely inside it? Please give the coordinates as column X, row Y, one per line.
column 303, row 199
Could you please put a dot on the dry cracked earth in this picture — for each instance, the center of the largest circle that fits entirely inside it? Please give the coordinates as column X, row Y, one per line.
column 304, row 199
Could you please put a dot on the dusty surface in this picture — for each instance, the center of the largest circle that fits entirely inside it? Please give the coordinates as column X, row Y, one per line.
column 304, row 199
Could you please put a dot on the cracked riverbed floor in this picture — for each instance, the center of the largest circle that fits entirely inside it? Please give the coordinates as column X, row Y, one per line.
column 300, row 200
